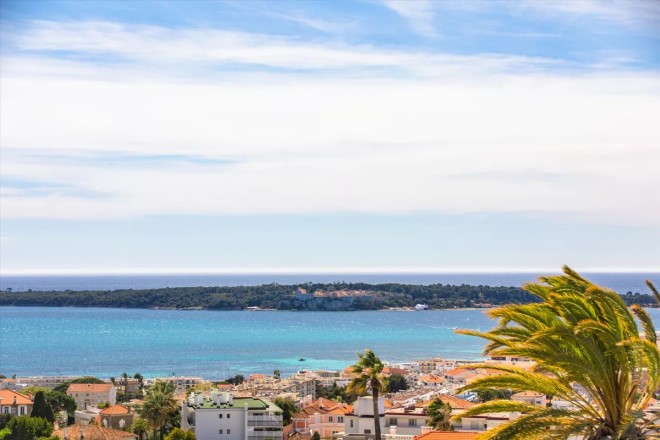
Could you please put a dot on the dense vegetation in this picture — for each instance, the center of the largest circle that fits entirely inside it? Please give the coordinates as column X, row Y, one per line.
column 277, row 296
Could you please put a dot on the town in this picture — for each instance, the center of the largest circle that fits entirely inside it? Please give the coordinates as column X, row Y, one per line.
column 418, row 401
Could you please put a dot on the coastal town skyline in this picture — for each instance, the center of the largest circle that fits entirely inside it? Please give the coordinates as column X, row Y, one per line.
column 329, row 136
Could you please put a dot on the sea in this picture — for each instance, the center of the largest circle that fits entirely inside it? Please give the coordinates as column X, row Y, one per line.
column 218, row 344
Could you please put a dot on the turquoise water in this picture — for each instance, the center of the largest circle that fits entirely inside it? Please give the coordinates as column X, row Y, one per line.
column 218, row 344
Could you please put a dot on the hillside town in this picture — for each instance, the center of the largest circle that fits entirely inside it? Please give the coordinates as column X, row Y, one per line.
column 306, row 405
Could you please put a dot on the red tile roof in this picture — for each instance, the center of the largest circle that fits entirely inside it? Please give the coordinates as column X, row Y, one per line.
column 8, row 396
column 89, row 387
column 115, row 409
column 94, row 432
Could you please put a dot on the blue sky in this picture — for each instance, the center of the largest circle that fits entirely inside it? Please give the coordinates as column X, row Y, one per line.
column 352, row 135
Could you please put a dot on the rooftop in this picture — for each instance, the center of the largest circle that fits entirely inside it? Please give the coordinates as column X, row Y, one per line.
column 7, row 398
column 89, row 387
column 239, row 402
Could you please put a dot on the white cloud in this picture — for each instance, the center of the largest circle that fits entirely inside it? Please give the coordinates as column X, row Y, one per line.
column 442, row 133
column 419, row 13
column 543, row 144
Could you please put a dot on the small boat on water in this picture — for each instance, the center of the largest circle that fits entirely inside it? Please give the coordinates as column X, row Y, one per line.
column 301, row 359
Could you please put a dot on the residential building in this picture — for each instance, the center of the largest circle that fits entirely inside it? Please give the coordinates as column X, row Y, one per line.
column 225, row 417
column 360, row 423
column 44, row 381
column 323, row 416
column 444, row 435
column 531, row 397
column 14, row 403
column 117, row 417
column 408, row 420
column 91, row 394
column 180, row 382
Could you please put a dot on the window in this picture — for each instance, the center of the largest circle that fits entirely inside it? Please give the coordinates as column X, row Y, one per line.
column 412, row 422
column 340, row 419
column 229, row 431
column 220, row 432
column 219, row 416
column 367, row 431
column 351, row 423
column 21, row 410
column 228, row 416
column 5, row 410
column 330, row 419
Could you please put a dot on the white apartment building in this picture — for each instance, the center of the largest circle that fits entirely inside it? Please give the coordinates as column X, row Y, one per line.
column 224, row 417
column 43, row 381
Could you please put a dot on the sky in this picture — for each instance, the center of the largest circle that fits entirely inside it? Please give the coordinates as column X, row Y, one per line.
column 374, row 135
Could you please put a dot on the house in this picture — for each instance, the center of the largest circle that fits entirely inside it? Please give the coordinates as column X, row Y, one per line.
column 225, row 417
column 92, row 432
column 431, row 380
column 484, row 422
column 531, row 397
column 15, row 404
column 49, row 382
column 91, row 394
column 360, row 423
column 117, row 417
column 323, row 416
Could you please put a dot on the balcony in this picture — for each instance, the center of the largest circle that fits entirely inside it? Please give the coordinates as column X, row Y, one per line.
column 264, row 421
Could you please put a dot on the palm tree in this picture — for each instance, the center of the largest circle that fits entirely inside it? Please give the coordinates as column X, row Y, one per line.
column 439, row 415
column 159, row 405
column 125, row 377
column 587, row 351
column 369, row 370
column 139, row 427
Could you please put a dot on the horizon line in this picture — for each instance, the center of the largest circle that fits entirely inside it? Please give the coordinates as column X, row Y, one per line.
column 321, row 271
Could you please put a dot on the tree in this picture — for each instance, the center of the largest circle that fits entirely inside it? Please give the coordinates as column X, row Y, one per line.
column 125, row 382
column 439, row 415
column 179, row 434
column 493, row 394
column 61, row 402
column 159, row 405
column 277, row 374
column 369, row 370
column 41, row 408
column 140, row 427
column 288, row 407
column 588, row 351
column 28, row 428
column 316, row 436
column 140, row 380
column 397, row 383
column 236, row 380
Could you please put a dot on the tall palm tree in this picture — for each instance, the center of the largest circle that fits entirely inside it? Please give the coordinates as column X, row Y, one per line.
column 587, row 351
column 159, row 405
column 125, row 377
column 369, row 370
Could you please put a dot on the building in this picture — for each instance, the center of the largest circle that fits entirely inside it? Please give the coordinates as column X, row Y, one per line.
column 360, row 423
column 530, row 397
column 181, row 382
column 225, row 417
column 91, row 394
column 323, row 416
column 406, row 420
column 49, row 382
column 117, row 417
column 15, row 404
column 443, row 435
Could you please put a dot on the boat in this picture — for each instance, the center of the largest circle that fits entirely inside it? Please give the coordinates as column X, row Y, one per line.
column 301, row 359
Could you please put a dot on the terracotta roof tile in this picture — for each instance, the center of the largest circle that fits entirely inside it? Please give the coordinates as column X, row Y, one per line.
column 8, row 396
column 115, row 409
column 94, row 432
column 89, row 387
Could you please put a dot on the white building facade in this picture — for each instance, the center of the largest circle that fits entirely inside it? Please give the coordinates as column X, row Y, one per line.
column 223, row 417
